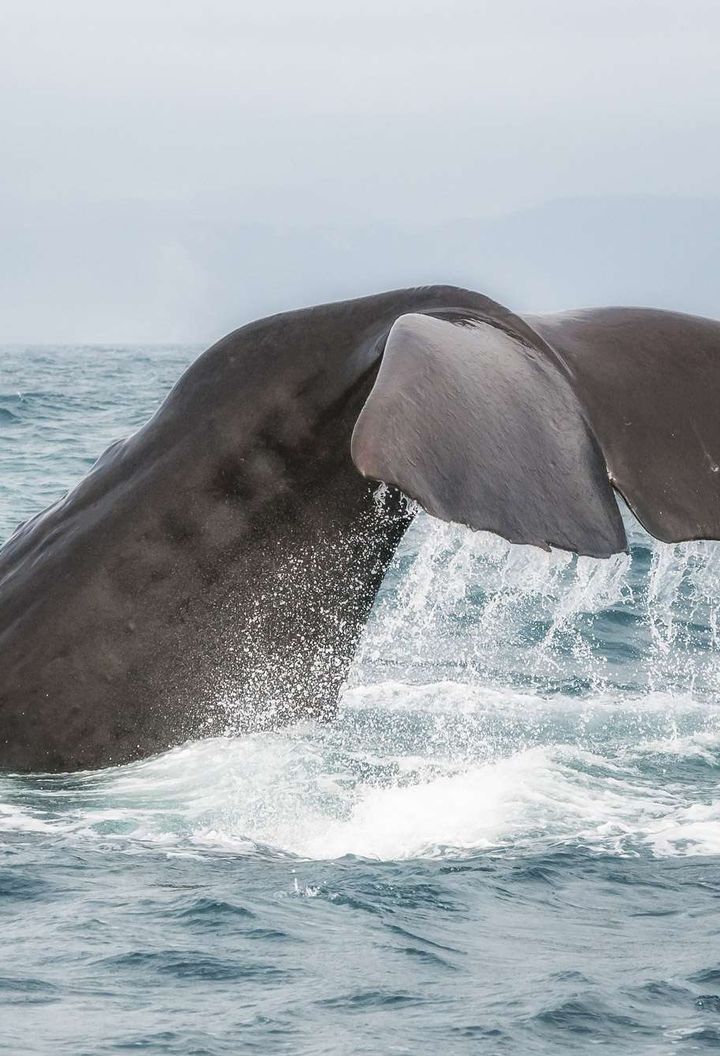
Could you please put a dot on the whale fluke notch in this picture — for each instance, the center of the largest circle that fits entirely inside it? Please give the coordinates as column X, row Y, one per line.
column 481, row 426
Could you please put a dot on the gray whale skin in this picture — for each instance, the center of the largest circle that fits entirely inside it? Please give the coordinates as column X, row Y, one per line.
column 212, row 573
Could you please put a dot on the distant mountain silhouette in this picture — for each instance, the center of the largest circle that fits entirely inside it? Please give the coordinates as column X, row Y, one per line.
column 663, row 252
column 656, row 251
column 193, row 270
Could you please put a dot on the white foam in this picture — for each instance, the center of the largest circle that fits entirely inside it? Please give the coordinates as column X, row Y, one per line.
column 693, row 830
column 17, row 819
column 290, row 793
column 485, row 714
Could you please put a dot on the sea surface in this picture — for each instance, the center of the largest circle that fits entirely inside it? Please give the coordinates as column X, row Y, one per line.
column 508, row 842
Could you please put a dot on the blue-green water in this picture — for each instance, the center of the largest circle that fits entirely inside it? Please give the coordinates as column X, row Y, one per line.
column 508, row 842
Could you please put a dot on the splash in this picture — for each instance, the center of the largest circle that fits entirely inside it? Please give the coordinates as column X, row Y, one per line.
column 503, row 701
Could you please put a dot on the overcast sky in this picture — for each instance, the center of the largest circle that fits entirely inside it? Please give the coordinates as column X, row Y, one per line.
column 142, row 139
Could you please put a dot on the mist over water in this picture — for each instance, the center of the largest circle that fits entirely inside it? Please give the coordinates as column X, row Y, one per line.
column 507, row 841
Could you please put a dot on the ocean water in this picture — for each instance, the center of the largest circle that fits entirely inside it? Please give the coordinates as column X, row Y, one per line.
column 508, row 842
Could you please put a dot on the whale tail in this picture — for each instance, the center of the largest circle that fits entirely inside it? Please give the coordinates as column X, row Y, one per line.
column 213, row 572
column 525, row 427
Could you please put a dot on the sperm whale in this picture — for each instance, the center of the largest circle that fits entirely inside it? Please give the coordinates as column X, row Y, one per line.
column 213, row 572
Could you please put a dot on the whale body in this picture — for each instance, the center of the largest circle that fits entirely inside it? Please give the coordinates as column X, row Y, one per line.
column 213, row 572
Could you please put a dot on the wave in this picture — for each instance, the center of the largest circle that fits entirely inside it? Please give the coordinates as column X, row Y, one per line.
column 328, row 792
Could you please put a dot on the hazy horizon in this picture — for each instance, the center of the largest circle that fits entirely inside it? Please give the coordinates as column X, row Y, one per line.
column 170, row 173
